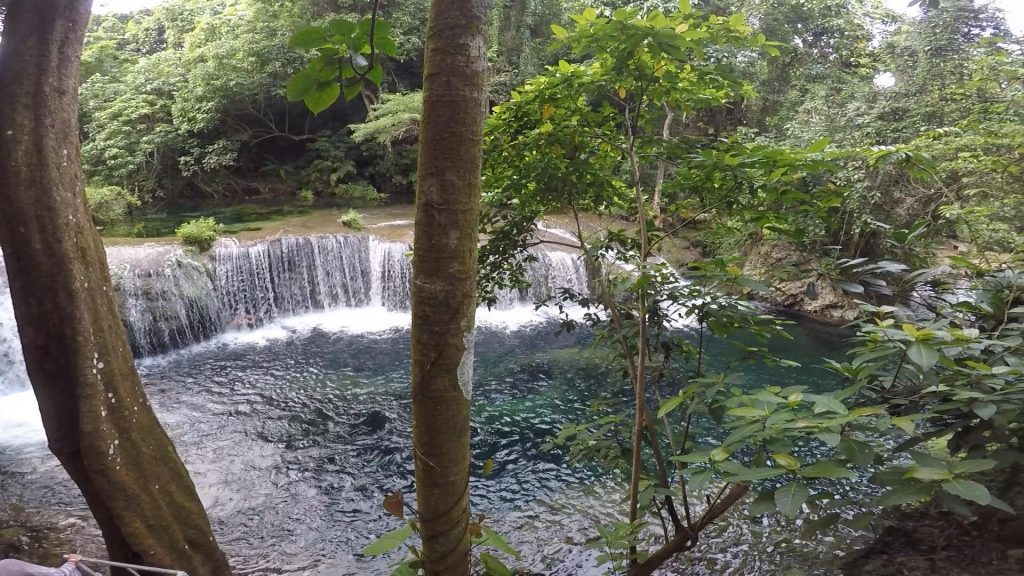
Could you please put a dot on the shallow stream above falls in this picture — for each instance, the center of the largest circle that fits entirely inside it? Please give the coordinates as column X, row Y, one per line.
column 294, row 430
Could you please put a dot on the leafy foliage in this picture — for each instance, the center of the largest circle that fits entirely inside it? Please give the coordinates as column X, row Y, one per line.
column 110, row 204
column 200, row 233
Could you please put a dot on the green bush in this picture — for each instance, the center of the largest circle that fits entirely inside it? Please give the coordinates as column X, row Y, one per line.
column 358, row 192
column 199, row 233
column 352, row 219
column 110, row 204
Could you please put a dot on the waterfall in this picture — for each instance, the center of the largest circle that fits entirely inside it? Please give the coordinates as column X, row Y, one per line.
column 171, row 298
column 12, row 365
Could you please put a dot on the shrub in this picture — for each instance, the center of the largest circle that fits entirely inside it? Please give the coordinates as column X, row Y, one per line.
column 199, row 233
column 305, row 195
column 352, row 219
column 110, row 204
column 358, row 192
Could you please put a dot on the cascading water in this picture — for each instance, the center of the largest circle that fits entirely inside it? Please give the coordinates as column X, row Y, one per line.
column 12, row 366
column 171, row 298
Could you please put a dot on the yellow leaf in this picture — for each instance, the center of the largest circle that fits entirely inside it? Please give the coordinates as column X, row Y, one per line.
column 488, row 467
column 622, row 93
column 548, row 111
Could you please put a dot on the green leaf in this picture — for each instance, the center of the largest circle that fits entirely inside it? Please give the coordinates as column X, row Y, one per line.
column 857, row 452
column 301, row 84
column 671, row 404
column 700, row 479
column 905, row 494
column 787, row 461
column 493, row 566
column 352, row 91
column 819, row 145
column 322, row 98
column 309, row 38
column 923, row 354
column 747, row 412
column 720, row 453
column 751, row 474
column 831, row 439
column 971, row 466
column 763, row 504
column 827, row 403
column 984, row 409
column 968, row 490
column 928, row 474
column 827, row 469
column 493, row 539
column 559, row 31
column 375, row 74
column 997, row 503
column 791, row 497
column 685, row 6
column 388, row 541
column 905, row 424
column 341, row 27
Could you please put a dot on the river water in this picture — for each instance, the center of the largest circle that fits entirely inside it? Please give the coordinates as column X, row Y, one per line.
column 294, row 431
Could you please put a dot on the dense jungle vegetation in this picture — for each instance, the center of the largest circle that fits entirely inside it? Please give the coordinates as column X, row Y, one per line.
column 188, row 101
column 810, row 151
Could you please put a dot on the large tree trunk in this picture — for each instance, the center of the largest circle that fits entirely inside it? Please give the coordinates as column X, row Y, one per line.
column 444, row 277
column 97, row 419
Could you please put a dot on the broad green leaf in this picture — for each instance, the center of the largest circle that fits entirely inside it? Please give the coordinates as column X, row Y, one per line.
column 827, row 403
column 322, row 98
column 301, row 84
column 763, row 504
column 493, row 566
column 559, row 31
column 997, row 503
column 905, row 424
column 968, row 490
column 700, row 479
column 388, row 541
column 671, row 404
column 923, row 354
column 494, row 540
column 352, row 91
column 787, row 461
column 819, row 145
column 309, row 38
column 791, row 497
column 831, row 439
column 984, row 409
column 720, row 453
column 692, row 458
column 971, row 466
column 685, row 6
column 827, row 469
column 747, row 412
column 928, row 474
column 905, row 494
column 857, row 452
column 751, row 474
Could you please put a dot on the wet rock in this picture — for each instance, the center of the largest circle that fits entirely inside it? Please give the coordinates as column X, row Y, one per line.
column 796, row 284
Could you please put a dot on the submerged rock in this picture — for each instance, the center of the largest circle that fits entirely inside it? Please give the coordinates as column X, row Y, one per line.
column 374, row 421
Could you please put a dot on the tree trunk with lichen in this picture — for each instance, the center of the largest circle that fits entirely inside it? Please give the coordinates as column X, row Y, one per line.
column 444, row 277
column 98, row 421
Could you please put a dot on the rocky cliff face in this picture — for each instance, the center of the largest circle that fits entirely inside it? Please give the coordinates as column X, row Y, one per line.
column 796, row 286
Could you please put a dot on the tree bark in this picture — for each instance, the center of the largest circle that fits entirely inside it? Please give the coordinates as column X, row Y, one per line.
column 98, row 421
column 444, row 276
